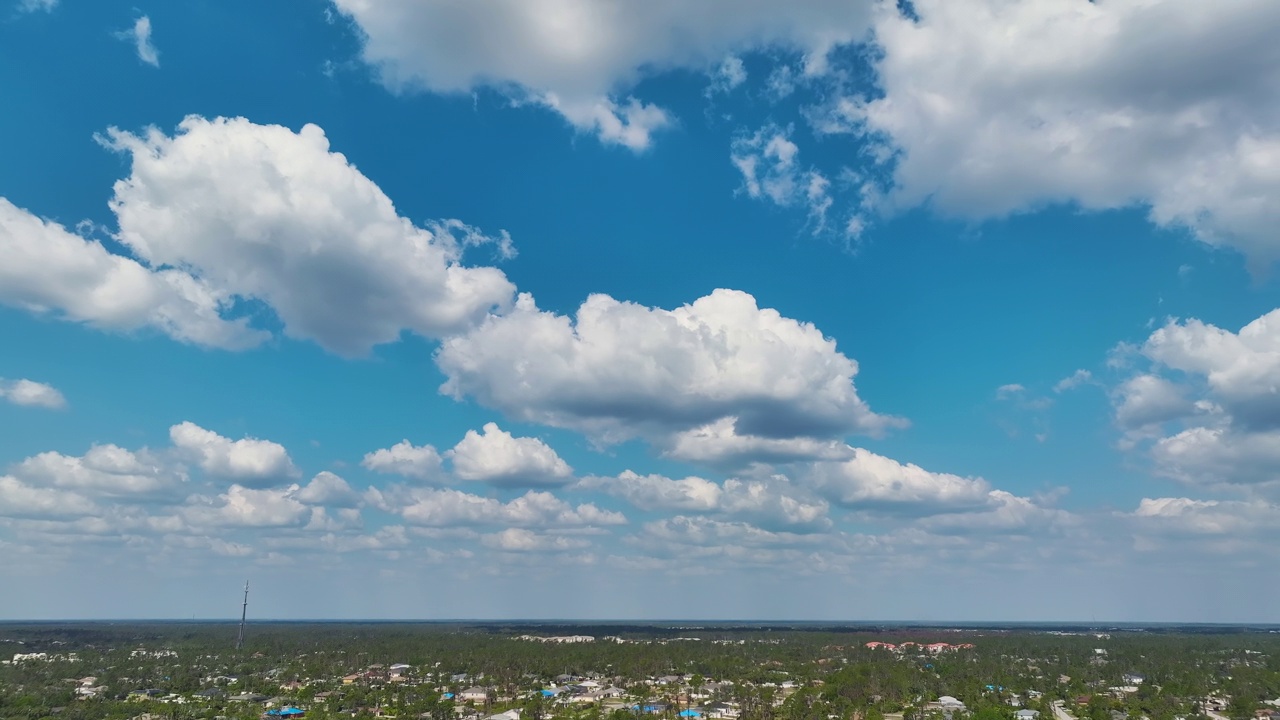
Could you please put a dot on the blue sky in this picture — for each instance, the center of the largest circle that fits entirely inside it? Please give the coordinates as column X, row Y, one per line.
column 818, row 310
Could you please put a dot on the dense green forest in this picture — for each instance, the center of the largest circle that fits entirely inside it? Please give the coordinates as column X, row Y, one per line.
column 421, row 670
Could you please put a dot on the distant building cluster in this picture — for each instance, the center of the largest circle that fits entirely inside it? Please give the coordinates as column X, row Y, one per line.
column 909, row 646
column 19, row 658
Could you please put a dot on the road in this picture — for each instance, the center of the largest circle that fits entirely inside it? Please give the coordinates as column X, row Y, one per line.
column 1060, row 713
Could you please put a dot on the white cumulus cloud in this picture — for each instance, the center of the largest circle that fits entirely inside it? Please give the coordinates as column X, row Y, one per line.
column 522, row 540
column 20, row 500
column 582, row 58
column 240, row 506
column 446, row 507
column 873, row 482
column 770, row 503
column 496, row 457
column 104, row 470
column 249, row 461
column 263, row 212
column 1242, row 368
column 330, row 490
column 50, row 270
column 31, row 393
column 990, row 107
column 620, row 370
column 719, row 444
column 406, row 459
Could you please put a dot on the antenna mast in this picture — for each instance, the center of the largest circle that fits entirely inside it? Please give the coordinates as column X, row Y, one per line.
column 244, row 610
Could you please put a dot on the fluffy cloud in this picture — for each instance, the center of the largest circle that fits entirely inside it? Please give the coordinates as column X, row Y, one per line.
column 1184, row 516
column 32, row 393
column 261, row 212
column 991, row 107
column 1242, row 368
column 577, row 56
column 521, row 540
column 682, row 530
column 874, row 482
column 445, row 508
column 1150, row 400
column 19, row 500
column 105, row 470
column 497, row 458
column 1219, row 456
column 621, row 370
column 245, row 507
column 1226, row 395
column 719, row 444
column 655, row 492
column 140, row 36
column 48, row 269
column 770, row 503
column 248, row 461
column 404, row 458
column 330, row 490
column 1008, row 514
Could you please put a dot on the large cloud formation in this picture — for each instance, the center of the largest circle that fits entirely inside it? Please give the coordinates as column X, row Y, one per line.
column 577, row 56
column 262, row 212
column 990, row 107
column 48, row 269
column 226, row 213
column 619, row 370
column 1216, row 420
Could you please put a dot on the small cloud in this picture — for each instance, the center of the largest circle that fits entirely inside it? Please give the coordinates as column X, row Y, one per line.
column 728, row 76
column 140, row 36
column 30, row 6
column 1007, row 391
column 32, row 394
column 1074, row 380
column 1184, row 270
column 1121, row 356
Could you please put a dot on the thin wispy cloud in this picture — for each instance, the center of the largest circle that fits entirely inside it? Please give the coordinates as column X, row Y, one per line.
column 140, row 36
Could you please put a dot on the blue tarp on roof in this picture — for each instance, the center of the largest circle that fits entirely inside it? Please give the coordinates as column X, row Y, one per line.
column 548, row 693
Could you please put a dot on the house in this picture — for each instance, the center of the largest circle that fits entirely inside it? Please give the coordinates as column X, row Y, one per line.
column 720, row 711
column 1134, row 679
column 474, row 694
column 947, row 705
column 1027, row 715
column 85, row 692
